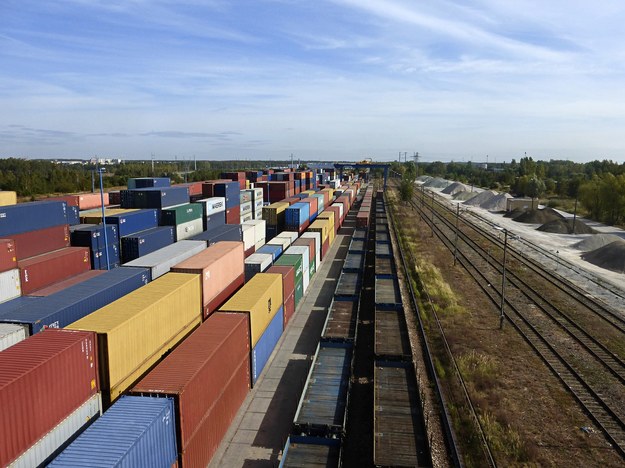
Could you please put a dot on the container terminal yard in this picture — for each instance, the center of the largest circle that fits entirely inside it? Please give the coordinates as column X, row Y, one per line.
column 267, row 318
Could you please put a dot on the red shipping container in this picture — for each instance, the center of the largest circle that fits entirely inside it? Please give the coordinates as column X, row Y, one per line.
column 8, row 256
column 52, row 267
column 219, row 266
column 29, row 244
column 221, row 298
column 61, row 285
column 289, row 309
column 250, row 251
column 288, row 278
column 195, row 188
column 42, row 380
column 233, row 215
column 310, row 243
column 312, row 201
column 325, row 246
column 292, row 200
column 208, row 375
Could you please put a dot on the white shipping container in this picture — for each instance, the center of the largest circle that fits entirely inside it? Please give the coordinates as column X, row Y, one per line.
column 303, row 251
column 246, row 207
column 260, row 226
column 257, row 263
column 245, row 217
column 161, row 260
column 257, row 195
column 258, row 214
column 340, row 207
column 11, row 333
column 10, row 286
column 213, row 205
column 259, row 244
column 284, row 242
column 290, row 234
column 317, row 237
column 248, row 236
column 64, row 431
column 245, row 196
column 189, row 229
column 258, row 204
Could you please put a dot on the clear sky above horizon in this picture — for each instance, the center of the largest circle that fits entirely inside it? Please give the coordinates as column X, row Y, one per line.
column 324, row 79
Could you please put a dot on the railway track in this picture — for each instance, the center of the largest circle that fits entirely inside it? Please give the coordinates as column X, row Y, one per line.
column 577, row 352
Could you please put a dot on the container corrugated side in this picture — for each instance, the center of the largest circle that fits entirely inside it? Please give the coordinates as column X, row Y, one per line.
column 213, row 205
column 134, row 432
column 249, row 236
column 8, row 256
column 46, row 269
column 257, row 263
column 8, row 197
column 189, row 229
column 303, row 251
column 274, row 213
column 45, row 447
column 160, row 261
column 95, row 216
column 136, row 330
column 219, row 266
column 198, row 375
column 10, row 334
column 259, row 229
column 69, row 282
column 145, row 242
column 180, row 214
column 266, row 343
column 283, row 242
column 261, row 298
column 69, row 305
column 10, row 285
column 37, row 242
column 317, row 238
column 31, row 216
column 42, row 380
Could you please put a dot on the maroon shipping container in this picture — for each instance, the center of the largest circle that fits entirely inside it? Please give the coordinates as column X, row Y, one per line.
column 221, row 298
column 42, row 380
column 61, row 285
column 115, row 197
column 289, row 309
column 29, row 244
column 52, row 267
column 325, row 246
column 362, row 219
column 314, row 204
column 209, row 186
column 233, row 215
column 208, row 375
column 288, row 278
column 345, row 202
column 291, row 200
column 8, row 257
column 195, row 188
column 310, row 243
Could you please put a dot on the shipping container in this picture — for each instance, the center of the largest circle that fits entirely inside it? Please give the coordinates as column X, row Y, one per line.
column 310, row 245
column 260, row 298
column 283, row 242
column 135, row 431
column 8, row 197
column 274, row 214
column 8, row 256
column 274, row 250
column 95, row 216
column 32, row 243
column 294, row 261
column 259, row 231
column 257, row 263
column 43, row 380
column 316, row 236
column 189, row 229
column 160, row 261
column 208, row 376
column 69, row 305
column 227, row 232
column 320, row 201
column 214, row 221
column 266, row 344
column 145, row 182
column 105, row 258
column 213, row 205
column 322, row 227
column 10, row 334
column 45, row 448
column 46, row 269
column 297, row 217
column 145, row 242
column 313, row 206
column 85, row 201
column 246, row 208
column 195, row 188
column 303, row 251
column 249, row 238
column 221, row 270
column 288, row 289
column 10, row 287
column 93, row 236
column 342, row 212
column 133, row 221
column 157, row 197
column 137, row 329
column 180, row 214
column 62, row 285
column 31, row 216
column 230, row 191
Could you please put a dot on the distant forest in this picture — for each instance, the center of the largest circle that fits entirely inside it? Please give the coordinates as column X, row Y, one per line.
column 599, row 186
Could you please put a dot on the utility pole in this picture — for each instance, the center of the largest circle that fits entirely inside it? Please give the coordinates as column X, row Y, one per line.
column 416, row 162
column 194, row 163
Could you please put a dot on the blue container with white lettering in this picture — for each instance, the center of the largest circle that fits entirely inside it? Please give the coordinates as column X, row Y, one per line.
column 145, row 242
column 33, row 216
column 93, row 236
column 134, row 221
column 146, row 182
column 160, row 198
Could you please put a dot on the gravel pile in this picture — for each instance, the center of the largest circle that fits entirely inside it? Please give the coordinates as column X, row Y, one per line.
column 437, row 182
column 539, row 216
column 464, row 195
column 496, row 203
column 423, row 179
column 565, row 226
column 454, row 188
column 595, row 242
column 514, row 213
column 481, row 197
column 611, row 256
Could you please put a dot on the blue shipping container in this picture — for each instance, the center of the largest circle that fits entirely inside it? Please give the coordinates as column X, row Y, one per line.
column 227, row 232
column 297, row 214
column 160, row 198
column 93, row 236
column 145, row 242
column 274, row 250
column 73, row 215
column 126, row 199
column 134, row 221
column 214, row 221
column 229, row 190
column 99, row 260
column 135, row 431
column 143, row 182
column 33, row 216
column 75, row 302
column 266, row 343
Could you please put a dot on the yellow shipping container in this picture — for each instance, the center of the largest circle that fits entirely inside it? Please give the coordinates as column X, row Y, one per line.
column 330, row 192
column 8, row 198
column 136, row 330
column 274, row 213
column 261, row 298
column 321, row 225
column 309, row 192
column 329, row 215
column 95, row 216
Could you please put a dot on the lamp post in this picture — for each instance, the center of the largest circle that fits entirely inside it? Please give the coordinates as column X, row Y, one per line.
column 106, row 244
column 503, row 277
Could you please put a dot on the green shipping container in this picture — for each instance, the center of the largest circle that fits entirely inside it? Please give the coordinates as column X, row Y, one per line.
column 296, row 262
column 181, row 214
column 313, row 268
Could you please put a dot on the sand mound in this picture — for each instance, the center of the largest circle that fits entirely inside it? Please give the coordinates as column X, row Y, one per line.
column 610, row 257
column 565, row 226
column 496, row 203
column 539, row 216
column 597, row 241
column 423, row 179
column 481, row 197
column 463, row 196
column 437, row 182
column 455, row 188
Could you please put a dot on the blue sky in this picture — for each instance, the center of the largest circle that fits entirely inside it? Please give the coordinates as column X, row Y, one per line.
column 323, row 79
